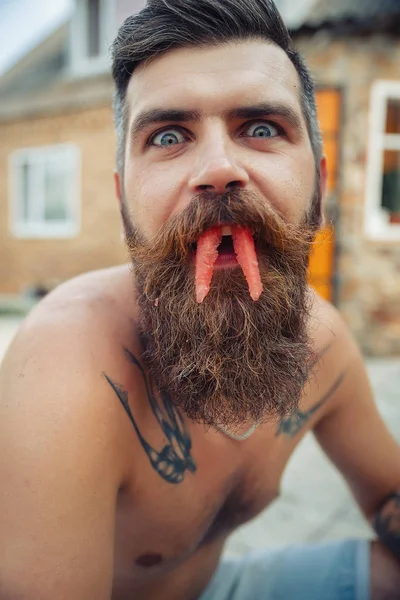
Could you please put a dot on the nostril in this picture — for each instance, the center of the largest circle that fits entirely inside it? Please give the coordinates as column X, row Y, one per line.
column 234, row 185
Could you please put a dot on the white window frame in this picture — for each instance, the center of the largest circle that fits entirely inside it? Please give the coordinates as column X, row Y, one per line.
column 377, row 223
column 82, row 65
column 42, row 229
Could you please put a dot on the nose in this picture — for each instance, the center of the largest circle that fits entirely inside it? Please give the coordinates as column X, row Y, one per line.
column 217, row 170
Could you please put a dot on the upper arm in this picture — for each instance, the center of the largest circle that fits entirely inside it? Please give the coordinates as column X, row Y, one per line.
column 352, row 431
column 57, row 474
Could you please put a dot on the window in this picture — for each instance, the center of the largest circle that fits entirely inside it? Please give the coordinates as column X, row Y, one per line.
column 45, row 192
column 382, row 216
column 93, row 28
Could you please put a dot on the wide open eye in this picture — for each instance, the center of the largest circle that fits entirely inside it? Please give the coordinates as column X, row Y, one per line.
column 167, row 137
column 262, row 129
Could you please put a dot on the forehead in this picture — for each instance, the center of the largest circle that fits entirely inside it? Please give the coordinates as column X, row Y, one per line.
column 216, row 78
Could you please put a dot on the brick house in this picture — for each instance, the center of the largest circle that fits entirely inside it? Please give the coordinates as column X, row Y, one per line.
column 58, row 213
column 353, row 49
column 58, row 216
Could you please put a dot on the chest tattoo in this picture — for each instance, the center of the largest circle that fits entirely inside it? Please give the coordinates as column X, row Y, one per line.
column 175, row 458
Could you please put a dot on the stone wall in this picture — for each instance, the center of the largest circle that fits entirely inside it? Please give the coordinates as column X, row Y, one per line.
column 25, row 263
column 368, row 272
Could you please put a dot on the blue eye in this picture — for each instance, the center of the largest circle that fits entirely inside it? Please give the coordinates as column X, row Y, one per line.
column 263, row 130
column 166, row 138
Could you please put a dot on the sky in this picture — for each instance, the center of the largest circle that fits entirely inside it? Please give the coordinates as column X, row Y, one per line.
column 24, row 23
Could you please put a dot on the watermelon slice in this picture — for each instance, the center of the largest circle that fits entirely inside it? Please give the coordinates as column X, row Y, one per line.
column 245, row 250
column 206, row 256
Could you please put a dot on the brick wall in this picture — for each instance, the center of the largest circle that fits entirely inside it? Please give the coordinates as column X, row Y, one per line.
column 368, row 272
column 24, row 263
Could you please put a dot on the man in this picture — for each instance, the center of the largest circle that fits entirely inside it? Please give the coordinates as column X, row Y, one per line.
column 147, row 412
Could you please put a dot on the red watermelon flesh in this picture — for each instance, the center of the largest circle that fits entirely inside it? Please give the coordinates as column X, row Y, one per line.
column 207, row 254
column 246, row 255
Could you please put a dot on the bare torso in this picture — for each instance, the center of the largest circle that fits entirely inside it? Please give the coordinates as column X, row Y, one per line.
column 185, row 488
column 170, row 535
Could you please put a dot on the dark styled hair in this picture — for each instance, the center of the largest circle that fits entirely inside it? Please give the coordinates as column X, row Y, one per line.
column 164, row 25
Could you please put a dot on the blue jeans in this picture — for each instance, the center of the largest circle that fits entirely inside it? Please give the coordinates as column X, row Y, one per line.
column 326, row 571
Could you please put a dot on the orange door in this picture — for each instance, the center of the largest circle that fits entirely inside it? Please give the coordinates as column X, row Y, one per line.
column 322, row 260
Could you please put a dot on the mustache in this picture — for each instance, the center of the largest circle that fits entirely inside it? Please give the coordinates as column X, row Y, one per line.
column 175, row 239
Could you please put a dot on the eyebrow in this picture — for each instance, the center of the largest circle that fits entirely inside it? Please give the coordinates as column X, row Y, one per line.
column 160, row 115
column 153, row 116
column 268, row 109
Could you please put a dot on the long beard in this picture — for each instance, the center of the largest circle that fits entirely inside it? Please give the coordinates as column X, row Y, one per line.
column 229, row 360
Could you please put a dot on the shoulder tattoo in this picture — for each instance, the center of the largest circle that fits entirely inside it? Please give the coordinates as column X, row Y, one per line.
column 175, row 458
column 293, row 424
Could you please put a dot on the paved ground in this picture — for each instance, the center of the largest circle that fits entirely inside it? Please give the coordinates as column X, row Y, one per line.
column 315, row 503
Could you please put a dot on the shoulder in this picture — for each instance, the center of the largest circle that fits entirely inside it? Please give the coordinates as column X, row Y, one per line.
column 331, row 336
column 52, row 377
column 337, row 358
column 82, row 311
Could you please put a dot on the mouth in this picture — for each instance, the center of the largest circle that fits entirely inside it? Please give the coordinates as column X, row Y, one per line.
column 226, row 246
column 226, row 251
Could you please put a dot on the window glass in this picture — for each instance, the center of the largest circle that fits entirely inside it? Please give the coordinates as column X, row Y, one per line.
column 382, row 202
column 24, row 195
column 55, row 190
column 46, row 195
column 390, row 201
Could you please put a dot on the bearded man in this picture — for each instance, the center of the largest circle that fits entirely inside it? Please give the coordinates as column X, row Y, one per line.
column 149, row 410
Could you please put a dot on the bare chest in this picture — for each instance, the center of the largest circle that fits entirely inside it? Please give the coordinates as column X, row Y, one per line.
column 161, row 523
